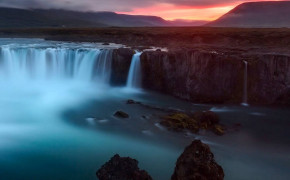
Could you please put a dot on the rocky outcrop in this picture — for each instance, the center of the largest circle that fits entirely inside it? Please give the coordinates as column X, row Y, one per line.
column 197, row 163
column 122, row 168
column 211, row 77
column 120, row 65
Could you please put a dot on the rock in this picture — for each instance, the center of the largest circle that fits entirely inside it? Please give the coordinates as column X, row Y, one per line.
column 206, row 118
column 121, row 114
column 106, row 44
column 179, row 122
column 197, row 163
column 122, row 168
column 218, row 130
column 130, row 101
column 199, row 120
column 145, row 117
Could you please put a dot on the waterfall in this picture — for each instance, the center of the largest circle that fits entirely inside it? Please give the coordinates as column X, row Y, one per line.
column 55, row 63
column 245, row 93
column 134, row 76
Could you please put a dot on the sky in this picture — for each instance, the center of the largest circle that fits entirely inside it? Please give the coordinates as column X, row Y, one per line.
column 167, row 9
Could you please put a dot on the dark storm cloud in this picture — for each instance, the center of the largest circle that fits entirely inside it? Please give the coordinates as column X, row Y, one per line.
column 108, row 5
column 80, row 5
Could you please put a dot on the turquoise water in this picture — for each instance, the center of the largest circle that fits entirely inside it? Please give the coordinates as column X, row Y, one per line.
column 65, row 129
column 38, row 143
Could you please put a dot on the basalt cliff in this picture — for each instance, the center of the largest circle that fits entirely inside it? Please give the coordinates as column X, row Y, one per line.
column 205, row 76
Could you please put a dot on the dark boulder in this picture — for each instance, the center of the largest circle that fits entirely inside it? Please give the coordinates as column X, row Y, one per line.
column 197, row 163
column 122, row 168
column 121, row 114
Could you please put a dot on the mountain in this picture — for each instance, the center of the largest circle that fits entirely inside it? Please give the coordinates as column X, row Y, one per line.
column 256, row 14
column 22, row 18
column 33, row 18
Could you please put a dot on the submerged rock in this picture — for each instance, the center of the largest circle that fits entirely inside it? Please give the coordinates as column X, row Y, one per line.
column 131, row 101
column 197, row 163
column 199, row 120
column 122, row 168
column 121, row 114
column 218, row 130
column 179, row 122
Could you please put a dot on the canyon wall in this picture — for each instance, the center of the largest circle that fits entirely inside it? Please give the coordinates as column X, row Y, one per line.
column 269, row 79
column 204, row 77
column 210, row 77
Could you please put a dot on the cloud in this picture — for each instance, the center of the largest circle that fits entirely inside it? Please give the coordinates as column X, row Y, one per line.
column 112, row 5
column 79, row 5
column 167, row 9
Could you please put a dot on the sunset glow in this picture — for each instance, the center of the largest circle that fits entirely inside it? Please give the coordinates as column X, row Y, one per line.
column 170, row 12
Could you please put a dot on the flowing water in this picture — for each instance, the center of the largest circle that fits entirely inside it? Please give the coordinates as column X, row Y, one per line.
column 134, row 77
column 57, row 106
column 245, row 96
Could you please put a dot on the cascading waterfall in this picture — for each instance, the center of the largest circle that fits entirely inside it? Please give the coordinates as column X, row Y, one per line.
column 26, row 63
column 134, row 76
column 245, row 95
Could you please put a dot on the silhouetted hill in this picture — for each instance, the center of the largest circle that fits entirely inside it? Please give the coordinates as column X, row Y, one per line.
column 22, row 18
column 256, row 14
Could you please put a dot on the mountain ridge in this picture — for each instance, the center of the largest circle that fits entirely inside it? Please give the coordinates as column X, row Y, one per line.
column 266, row 14
column 42, row 18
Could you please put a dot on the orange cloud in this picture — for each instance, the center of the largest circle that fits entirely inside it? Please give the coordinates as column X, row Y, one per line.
column 171, row 12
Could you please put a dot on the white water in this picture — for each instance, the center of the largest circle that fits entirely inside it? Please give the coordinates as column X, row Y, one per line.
column 39, row 82
column 54, row 64
column 245, row 95
column 135, row 77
